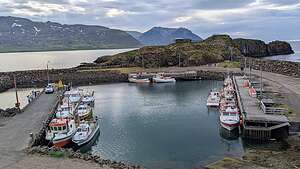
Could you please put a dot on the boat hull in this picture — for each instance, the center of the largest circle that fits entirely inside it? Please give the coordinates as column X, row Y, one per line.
column 229, row 126
column 158, row 80
column 62, row 142
column 132, row 80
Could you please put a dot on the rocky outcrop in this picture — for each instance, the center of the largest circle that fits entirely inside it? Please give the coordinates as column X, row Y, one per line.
column 212, row 50
column 279, row 48
column 216, row 48
column 258, row 48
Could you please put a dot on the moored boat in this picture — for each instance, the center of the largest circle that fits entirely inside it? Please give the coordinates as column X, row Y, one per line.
column 85, row 133
column 134, row 79
column 74, row 96
column 213, row 99
column 84, row 112
column 60, row 131
column 88, row 98
column 160, row 78
column 64, row 111
column 230, row 118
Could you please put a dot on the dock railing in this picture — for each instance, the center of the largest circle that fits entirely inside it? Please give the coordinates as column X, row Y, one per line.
column 272, row 110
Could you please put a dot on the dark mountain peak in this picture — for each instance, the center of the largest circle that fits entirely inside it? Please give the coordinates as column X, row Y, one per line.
column 165, row 36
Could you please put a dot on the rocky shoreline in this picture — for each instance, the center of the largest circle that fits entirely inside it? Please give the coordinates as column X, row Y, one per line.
column 69, row 153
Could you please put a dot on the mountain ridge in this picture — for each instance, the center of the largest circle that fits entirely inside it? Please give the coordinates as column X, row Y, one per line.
column 22, row 34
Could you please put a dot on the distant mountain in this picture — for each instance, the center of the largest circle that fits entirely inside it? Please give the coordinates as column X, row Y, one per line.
column 165, row 36
column 134, row 34
column 20, row 34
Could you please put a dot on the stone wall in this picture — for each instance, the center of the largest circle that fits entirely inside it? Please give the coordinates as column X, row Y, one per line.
column 274, row 66
column 75, row 76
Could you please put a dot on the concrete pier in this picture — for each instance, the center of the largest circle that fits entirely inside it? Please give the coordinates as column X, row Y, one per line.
column 15, row 131
column 256, row 123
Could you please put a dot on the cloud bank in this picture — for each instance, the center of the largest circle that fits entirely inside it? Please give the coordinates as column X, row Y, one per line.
column 265, row 19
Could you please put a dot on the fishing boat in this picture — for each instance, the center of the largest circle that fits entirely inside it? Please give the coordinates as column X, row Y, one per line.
column 88, row 98
column 64, row 111
column 84, row 112
column 85, row 133
column 74, row 96
column 61, row 131
column 134, row 79
column 230, row 118
column 160, row 78
column 213, row 99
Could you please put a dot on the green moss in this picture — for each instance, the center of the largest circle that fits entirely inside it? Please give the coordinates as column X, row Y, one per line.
column 57, row 154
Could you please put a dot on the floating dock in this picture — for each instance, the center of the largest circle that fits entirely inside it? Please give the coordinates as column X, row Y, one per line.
column 257, row 124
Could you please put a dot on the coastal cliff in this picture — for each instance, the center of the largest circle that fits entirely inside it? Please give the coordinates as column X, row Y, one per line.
column 214, row 49
column 258, row 48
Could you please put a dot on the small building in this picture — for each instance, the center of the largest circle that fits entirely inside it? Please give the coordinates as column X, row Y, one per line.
column 183, row 40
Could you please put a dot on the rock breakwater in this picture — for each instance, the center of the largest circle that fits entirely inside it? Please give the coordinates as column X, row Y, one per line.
column 275, row 66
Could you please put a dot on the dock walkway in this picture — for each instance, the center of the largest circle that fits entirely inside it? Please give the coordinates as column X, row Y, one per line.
column 256, row 123
column 14, row 133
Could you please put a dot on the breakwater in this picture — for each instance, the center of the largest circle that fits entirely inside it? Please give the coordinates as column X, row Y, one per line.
column 275, row 66
column 38, row 78
column 79, row 76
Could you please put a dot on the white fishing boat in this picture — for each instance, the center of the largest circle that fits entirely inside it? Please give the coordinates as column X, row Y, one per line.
column 74, row 96
column 84, row 112
column 134, row 79
column 85, row 132
column 60, row 131
column 88, row 98
column 160, row 78
column 213, row 99
column 64, row 111
column 230, row 118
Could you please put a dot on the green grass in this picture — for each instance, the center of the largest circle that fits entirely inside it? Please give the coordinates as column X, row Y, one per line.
column 124, row 70
column 229, row 64
column 57, row 154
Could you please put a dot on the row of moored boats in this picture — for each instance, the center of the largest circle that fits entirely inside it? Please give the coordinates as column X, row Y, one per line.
column 226, row 101
column 74, row 122
column 158, row 78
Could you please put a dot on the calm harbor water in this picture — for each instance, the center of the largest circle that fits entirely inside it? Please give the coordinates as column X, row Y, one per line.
column 161, row 126
column 57, row 59
column 293, row 57
column 8, row 98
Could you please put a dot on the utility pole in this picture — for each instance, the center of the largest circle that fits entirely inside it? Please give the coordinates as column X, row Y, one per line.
column 179, row 59
column 261, row 96
column 17, row 97
column 48, row 79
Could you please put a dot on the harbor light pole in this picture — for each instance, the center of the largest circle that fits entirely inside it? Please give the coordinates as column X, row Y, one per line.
column 17, row 97
column 48, row 79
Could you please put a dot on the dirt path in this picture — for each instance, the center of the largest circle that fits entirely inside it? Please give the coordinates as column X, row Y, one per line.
column 14, row 132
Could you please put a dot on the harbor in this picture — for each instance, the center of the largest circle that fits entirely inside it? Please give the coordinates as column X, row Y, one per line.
column 188, row 95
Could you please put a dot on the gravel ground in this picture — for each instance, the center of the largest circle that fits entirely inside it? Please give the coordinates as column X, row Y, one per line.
column 46, row 162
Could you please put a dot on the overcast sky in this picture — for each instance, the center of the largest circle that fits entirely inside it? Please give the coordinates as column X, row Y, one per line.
column 264, row 19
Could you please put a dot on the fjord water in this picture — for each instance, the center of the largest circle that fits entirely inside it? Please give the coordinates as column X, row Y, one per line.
column 160, row 126
column 57, row 59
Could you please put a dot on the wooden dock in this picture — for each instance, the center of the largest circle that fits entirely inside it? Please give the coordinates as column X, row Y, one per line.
column 256, row 123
